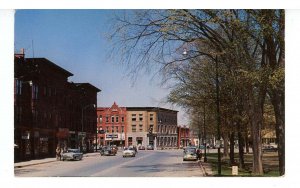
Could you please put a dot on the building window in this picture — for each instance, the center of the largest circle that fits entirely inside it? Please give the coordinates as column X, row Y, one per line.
column 151, row 117
column 133, row 118
column 141, row 117
column 133, row 128
column 117, row 129
column 122, row 119
column 18, row 87
column 112, row 119
column 141, row 128
column 122, row 129
column 35, row 91
column 100, row 119
column 112, row 129
column 117, row 119
column 107, row 119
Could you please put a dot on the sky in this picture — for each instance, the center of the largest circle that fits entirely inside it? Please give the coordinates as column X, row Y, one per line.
column 77, row 41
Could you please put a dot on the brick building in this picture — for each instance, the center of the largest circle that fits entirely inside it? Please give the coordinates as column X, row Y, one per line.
column 48, row 108
column 111, row 125
column 183, row 136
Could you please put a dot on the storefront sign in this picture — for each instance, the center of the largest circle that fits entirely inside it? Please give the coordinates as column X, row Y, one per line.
column 111, row 136
column 62, row 133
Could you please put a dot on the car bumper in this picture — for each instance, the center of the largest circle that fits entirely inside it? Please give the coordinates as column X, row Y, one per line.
column 190, row 158
column 128, row 155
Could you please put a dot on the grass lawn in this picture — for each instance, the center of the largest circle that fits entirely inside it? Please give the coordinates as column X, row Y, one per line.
column 270, row 165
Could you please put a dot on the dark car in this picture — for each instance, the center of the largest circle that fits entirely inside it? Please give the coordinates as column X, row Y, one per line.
column 107, row 151
column 269, row 149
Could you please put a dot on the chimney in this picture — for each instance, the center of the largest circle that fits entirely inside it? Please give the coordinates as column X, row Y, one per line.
column 21, row 55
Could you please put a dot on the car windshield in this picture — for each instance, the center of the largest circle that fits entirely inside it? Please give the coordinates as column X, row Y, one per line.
column 74, row 150
column 190, row 150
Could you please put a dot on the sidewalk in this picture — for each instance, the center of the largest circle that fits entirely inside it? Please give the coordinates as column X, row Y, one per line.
column 206, row 167
column 45, row 160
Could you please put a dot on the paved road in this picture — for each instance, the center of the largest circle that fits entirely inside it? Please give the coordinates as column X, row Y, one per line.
column 165, row 163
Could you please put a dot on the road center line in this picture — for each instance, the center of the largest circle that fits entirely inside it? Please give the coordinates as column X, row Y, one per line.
column 120, row 165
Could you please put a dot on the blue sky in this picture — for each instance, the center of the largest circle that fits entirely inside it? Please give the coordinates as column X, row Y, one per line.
column 77, row 41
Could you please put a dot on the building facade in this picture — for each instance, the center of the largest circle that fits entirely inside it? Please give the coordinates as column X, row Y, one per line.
column 46, row 110
column 111, row 125
column 183, row 136
column 152, row 126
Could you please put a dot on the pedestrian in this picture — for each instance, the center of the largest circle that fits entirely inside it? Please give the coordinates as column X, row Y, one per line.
column 61, row 153
column 199, row 154
column 58, row 153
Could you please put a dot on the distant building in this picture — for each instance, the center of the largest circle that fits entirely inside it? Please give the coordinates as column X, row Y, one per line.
column 152, row 126
column 183, row 136
column 50, row 111
column 111, row 125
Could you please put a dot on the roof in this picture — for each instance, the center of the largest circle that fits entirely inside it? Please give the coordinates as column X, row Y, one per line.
column 46, row 62
column 149, row 109
column 87, row 86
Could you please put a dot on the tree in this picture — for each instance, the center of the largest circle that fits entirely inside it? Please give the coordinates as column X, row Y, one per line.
column 241, row 40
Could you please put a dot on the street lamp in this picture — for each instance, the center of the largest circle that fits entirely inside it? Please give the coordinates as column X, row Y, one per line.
column 82, row 110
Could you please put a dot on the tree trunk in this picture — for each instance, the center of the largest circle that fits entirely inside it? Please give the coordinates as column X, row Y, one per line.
column 225, row 152
column 232, row 148
column 278, row 106
column 255, row 115
column 246, row 142
column 241, row 149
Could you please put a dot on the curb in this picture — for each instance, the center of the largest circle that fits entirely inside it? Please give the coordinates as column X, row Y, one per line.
column 25, row 165
column 203, row 169
column 49, row 161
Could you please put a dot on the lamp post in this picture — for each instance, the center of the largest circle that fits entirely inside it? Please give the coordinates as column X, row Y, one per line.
column 185, row 53
column 82, row 110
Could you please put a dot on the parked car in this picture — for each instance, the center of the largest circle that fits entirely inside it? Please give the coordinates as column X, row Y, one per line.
column 129, row 152
column 72, row 154
column 141, row 148
column 150, row 147
column 108, row 151
column 190, row 153
column 269, row 149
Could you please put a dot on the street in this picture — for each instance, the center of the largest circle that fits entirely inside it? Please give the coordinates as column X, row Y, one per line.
column 158, row 163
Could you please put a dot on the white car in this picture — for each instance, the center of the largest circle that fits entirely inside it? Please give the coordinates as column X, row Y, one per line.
column 72, row 154
column 129, row 152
